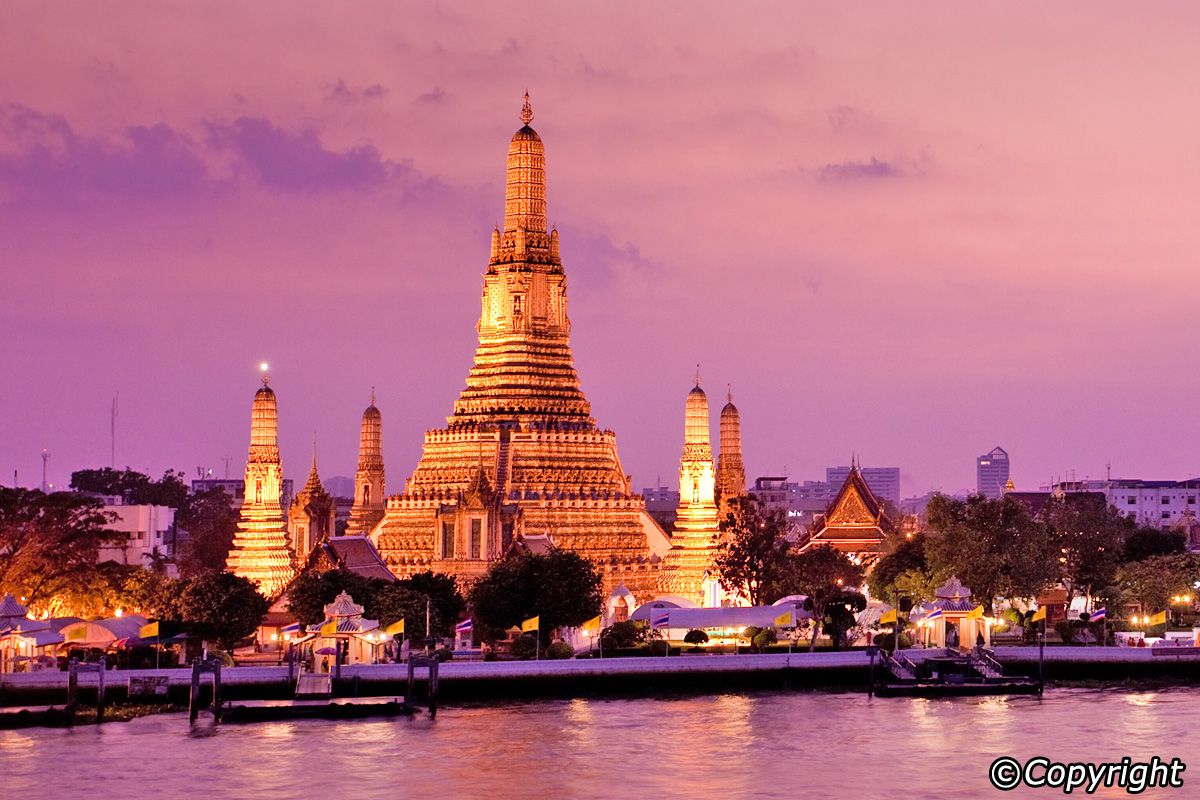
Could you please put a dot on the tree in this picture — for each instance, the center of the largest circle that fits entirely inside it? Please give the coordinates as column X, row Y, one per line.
column 994, row 547
column 134, row 488
column 144, row 591
column 446, row 601
column 561, row 587
column 398, row 602
column 841, row 615
column 210, row 522
column 222, row 607
column 695, row 637
column 311, row 592
column 1149, row 542
column 823, row 574
column 903, row 555
column 1090, row 535
column 50, row 543
column 1152, row 581
column 624, row 634
column 752, row 548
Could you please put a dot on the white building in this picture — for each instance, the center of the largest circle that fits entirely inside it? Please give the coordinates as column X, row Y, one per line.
column 148, row 530
column 884, row 481
column 1155, row 504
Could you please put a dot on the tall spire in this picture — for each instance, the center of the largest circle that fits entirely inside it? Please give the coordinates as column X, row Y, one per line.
column 526, row 110
column 261, row 550
column 690, row 557
column 525, row 187
column 731, row 472
column 369, row 478
column 697, row 376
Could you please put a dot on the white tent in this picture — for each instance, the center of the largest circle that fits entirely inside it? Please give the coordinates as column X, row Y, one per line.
column 722, row 618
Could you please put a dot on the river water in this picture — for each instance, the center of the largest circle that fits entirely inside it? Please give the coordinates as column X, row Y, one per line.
column 811, row 745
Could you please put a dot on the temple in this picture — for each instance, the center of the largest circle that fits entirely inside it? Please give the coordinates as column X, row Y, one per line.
column 521, row 453
column 731, row 472
column 688, row 563
column 369, row 496
column 855, row 523
column 261, row 549
column 311, row 515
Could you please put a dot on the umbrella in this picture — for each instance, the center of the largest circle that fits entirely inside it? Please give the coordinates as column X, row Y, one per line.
column 327, row 651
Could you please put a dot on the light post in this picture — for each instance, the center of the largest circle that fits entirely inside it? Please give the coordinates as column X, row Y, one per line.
column 1183, row 601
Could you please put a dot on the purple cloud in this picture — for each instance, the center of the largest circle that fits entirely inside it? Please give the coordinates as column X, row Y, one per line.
column 436, row 96
column 847, row 171
column 342, row 93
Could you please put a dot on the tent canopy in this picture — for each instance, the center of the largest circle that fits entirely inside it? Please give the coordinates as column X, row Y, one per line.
column 731, row 617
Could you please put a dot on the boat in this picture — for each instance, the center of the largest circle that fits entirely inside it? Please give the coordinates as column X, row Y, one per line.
column 948, row 673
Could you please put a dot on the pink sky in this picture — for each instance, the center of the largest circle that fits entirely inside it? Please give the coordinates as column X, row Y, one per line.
column 910, row 234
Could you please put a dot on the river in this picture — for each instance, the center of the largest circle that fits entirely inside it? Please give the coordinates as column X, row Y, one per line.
column 811, row 745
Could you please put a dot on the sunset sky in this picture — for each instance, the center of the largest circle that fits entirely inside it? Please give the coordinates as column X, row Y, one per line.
column 910, row 234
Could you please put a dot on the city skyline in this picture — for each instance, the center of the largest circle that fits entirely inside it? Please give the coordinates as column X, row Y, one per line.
column 960, row 277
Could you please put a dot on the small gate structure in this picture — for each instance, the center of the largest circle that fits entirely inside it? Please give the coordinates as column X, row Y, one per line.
column 431, row 687
column 74, row 667
column 201, row 666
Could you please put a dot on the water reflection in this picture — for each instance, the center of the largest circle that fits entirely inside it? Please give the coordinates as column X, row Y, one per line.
column 727, row 746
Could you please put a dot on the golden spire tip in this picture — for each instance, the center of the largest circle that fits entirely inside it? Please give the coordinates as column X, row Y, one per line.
column 526, row 110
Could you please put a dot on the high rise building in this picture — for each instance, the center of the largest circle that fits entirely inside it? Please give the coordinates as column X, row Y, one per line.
column 261, row 549
column 991, row 473
column 688, row 562
column 369, row 495
column 521, row 453
column 731, row 472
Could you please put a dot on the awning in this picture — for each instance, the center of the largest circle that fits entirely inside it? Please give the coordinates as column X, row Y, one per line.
column 731, row 617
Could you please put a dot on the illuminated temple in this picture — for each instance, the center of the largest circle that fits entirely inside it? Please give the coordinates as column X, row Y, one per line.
column 521, row 454
column 262, row 550
column 688, row 563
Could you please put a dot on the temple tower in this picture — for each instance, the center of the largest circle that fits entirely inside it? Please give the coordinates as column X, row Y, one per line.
column 261, row 550
column 369, row 496
column 689, row 561
column 520, row 453
column 731, row 473
column 311, row 515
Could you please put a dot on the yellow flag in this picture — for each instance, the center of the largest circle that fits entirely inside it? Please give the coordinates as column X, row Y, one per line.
column 592, row 626
column 147, row 631
column 531, row 624
column 329, row 628
column 394, row 628
column 888, row 616
column 1159, row 619
column 975, row 613
column 785, row 620
column 77, row 633
column 1039, row 615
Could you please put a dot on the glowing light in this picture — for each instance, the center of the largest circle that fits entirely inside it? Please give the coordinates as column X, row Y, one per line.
column 263, row 366
column 119, row 613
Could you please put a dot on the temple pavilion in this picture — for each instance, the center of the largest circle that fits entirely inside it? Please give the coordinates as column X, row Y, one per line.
column 952, row 620
column 521, row 453
column 855, row 523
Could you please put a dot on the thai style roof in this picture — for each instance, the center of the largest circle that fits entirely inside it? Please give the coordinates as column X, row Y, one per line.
column 953, row 596
column 9, row 607
column 343, row 606
column 855, row 521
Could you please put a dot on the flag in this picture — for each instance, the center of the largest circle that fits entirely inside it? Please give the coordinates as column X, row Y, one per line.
column 888, row 616
column 329, row 628
column 394, row 628
column 935, row 614
column 1039, row 615
column 786, row 619
column 531, row 624
column 293, row 628
column 975, row 613
column 1159, row 619
column 466, row 626
column 148, row 631
column 661, row 619
column 591, row 627
column 1098, row 615
column 78, row 633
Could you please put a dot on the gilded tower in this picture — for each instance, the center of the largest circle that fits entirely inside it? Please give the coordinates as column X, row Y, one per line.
column 731, row 473
column 688, row 562
column 521, row 453
column 369, row 497
column 311, row 515
column 261, row 550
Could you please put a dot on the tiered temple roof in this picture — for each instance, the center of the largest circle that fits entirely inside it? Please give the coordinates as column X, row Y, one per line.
column 855, row 522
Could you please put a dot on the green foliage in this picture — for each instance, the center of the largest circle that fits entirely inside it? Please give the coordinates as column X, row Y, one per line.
column 885, row 641
column 210, row 521
column 560, row 650
column 823, row 574
column 764, row 638
column 840, row 615
column 561, row 587
column 133, row 487
column 446, row 601
column 222, row 607
column 993, row 546
column 143, row 591
column 1152, row 581
column 696, row 637
column 659, row 647
column 1090, row 536
column 49, row 543
column 1149, row 542
column 752, row 549
column 311, row 592
column 621, row 635
column 525, row 646
column 904, row 556
column 397, row 601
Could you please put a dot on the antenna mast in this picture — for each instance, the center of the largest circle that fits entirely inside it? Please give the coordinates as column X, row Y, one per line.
column 113, row 433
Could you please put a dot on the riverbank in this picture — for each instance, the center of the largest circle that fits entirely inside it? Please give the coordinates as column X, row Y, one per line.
column 626, row 677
